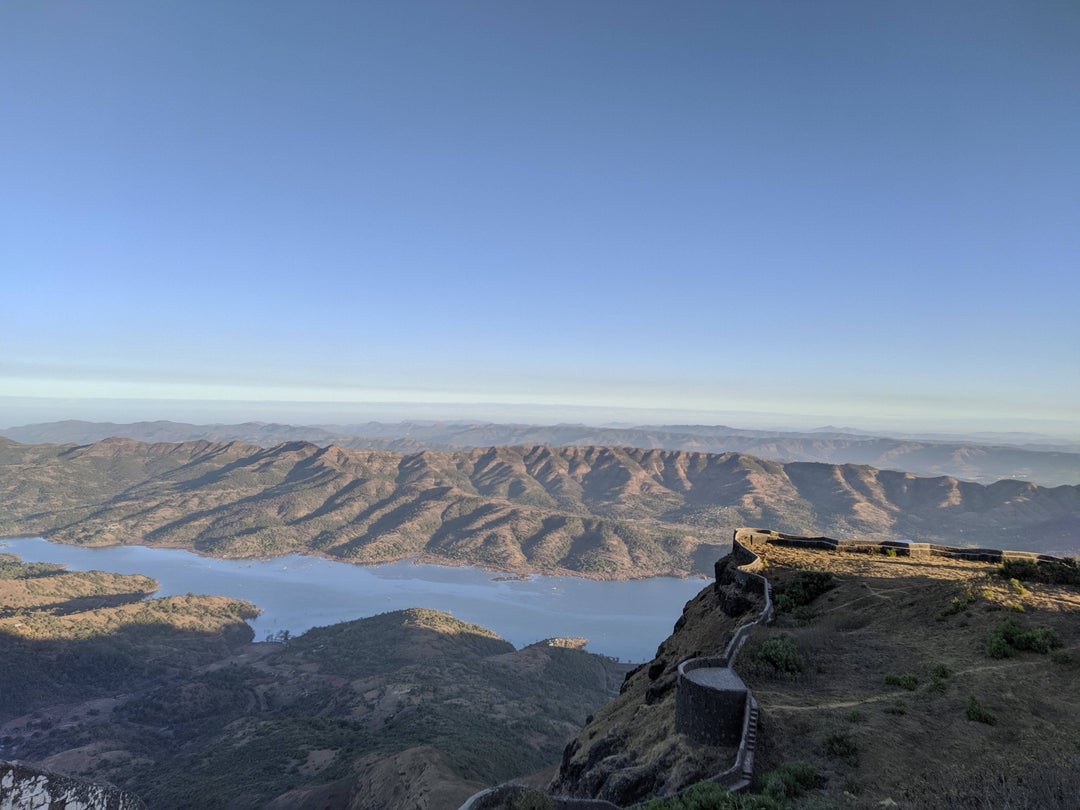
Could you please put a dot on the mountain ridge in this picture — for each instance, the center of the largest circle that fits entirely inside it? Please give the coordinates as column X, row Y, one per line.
column 1050, row 462
column 604, row 512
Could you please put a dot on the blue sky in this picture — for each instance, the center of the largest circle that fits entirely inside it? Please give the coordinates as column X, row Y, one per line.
column 798, row 213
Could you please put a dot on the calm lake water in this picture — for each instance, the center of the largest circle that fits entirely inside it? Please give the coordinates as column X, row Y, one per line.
column 296, row 592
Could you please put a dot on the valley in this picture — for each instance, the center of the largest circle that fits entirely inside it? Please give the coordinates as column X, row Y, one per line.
column 171, row 700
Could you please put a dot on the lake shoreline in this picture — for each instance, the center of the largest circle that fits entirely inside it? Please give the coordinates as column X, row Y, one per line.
column 417, row 559
column 622, row 619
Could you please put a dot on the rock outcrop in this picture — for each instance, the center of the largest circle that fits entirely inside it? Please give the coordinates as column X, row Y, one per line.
column 23, row 788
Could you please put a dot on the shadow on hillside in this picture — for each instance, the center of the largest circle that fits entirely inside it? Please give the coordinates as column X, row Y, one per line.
column 33, row 570
column 379, row 644
column 77, row 604
column 40, row 672
column 238, row 733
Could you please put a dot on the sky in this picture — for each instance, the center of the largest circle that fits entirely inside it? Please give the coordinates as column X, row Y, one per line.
column 788, row 213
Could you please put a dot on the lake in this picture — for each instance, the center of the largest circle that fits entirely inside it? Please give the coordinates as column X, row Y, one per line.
column 626, row 620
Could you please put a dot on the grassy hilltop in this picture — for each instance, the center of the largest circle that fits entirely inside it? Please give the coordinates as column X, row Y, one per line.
column 913, row 683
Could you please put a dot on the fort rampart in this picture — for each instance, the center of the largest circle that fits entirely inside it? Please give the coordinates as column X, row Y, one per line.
column 745, row 540
column 720, row 709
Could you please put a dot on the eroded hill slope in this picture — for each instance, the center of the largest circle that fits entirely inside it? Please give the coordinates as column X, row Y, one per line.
column 597, row 511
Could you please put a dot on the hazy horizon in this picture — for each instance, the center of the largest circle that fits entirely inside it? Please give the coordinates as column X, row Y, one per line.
column 343, row 414
column 779, row 214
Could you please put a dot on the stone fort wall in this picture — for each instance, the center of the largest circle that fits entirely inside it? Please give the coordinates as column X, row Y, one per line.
column 745, row 540
column 706, row 714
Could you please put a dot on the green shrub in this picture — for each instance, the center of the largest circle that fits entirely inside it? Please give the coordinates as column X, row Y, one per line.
column 958, row 604
column 905, row 681
column 998, row 647
column 1040, row 639
column 937, row 686
column 802, row 589
column 1054, row 573
column 978, row 714
column 803, row 615
column 897, row 708
column 941, row 671
column 1009, row 637
column 841, row 745
column 789, row 781
column 780, row 653
column 1018, row 588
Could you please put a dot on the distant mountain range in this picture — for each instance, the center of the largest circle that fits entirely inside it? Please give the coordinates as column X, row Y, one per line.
column 596, row 511
column 1044, row 461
